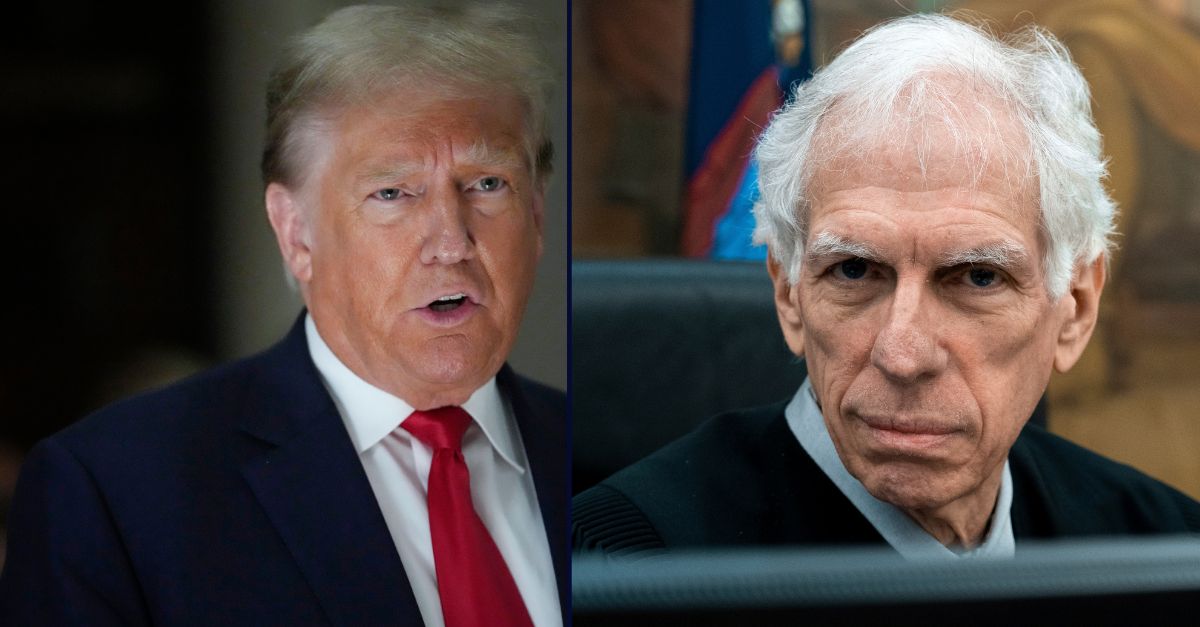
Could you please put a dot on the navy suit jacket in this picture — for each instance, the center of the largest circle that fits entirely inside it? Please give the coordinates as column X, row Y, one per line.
column 232, row 498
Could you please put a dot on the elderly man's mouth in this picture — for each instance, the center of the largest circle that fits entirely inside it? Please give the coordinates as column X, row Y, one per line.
column 894, row 432
column 448, row 310
column 448, row 303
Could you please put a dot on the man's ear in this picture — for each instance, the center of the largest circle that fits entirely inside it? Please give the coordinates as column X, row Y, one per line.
column 291, row 230
column 1083, row 307
column 787, row 306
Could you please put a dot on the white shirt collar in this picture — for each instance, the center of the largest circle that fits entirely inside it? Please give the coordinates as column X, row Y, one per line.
column 371, row 414
column 901, row 532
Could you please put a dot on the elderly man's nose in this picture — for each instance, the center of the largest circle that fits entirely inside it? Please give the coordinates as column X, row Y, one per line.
column 906, row 348
column 448, row 238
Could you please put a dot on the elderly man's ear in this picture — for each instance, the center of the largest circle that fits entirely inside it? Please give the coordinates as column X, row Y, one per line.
column 1081, row 307
column 291, row 230
column 787, row 307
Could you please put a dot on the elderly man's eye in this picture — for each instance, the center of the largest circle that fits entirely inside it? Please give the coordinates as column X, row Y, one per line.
column 388, row 193
column 490, row 184
column 852, row 269
column 981, row 277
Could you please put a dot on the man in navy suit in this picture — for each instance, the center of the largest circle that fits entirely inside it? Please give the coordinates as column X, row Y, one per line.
column 405, row 167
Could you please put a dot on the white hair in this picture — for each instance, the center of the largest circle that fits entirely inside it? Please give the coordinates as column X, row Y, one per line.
column 904, row 71
column 361, row 52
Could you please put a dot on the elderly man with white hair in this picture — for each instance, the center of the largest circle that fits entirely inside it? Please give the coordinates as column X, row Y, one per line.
column 381, row 465
column 933, row 205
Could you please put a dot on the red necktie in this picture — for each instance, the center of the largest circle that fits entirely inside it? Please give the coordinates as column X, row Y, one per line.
column 473, row 581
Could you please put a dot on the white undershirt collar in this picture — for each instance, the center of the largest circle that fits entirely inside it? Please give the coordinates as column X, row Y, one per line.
column 371, row 414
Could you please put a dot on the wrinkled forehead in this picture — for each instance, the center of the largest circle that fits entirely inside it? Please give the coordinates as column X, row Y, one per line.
column 485, row 124
column 939, row 133
column 488, row 130
column 423, row 98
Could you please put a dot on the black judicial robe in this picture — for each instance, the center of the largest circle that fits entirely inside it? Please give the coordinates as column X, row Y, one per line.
column 742, row 479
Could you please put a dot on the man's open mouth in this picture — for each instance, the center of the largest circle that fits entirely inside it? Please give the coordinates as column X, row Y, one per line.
column 448, row 303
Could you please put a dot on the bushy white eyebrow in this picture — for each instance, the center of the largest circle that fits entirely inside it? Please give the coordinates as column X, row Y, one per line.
column 827, row 244
column 1004, row 254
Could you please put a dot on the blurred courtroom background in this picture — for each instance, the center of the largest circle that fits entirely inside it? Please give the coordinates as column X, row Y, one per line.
column 138, row 249
column 651, row 154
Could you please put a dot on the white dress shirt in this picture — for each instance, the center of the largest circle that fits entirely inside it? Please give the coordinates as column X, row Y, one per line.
column 903, row 533
column 397, row 466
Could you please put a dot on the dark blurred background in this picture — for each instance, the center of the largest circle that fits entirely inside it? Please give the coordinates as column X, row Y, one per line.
column 138, row 247
column 108, row 176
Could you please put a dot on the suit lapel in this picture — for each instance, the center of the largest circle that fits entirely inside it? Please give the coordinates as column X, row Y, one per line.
column 1033, row 512
column 309, row 480
column 542, row 422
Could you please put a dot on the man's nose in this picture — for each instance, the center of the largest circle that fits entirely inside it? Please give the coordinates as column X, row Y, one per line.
column 448, row 237
column 906, row 349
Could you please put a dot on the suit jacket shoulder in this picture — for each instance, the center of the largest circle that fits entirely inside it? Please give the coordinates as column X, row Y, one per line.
column 1062, row 489
column 739, row 479
column 232, row 497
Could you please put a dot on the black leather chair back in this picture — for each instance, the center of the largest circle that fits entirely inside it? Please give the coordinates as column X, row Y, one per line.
column 657, row 346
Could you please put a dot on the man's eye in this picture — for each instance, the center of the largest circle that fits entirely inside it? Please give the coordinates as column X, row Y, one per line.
column 981, row 277
column 490, row 184
column 388, row 193
column 852, row 269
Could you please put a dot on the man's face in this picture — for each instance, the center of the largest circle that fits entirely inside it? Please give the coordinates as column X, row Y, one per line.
column 922, row 313
column 423, row 223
